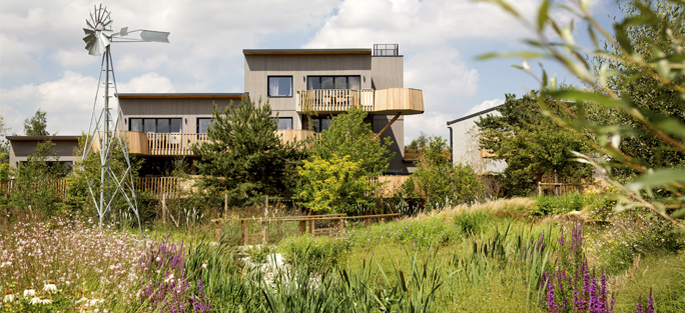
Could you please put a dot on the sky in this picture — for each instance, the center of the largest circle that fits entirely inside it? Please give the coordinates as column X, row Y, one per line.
column 43, row 63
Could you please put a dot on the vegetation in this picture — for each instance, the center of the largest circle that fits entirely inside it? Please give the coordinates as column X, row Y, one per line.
column 344, row 161
column 647, row 27
column 533, row 145
column 244, row 157
column 35, row 182
column 36, row 125
column 438, row 181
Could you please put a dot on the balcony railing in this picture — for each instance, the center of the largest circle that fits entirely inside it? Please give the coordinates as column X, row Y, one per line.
column 178, row 144
column 404, row 101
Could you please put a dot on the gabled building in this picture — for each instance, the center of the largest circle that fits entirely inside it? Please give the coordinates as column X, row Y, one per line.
column 304, row 87
column 465, row 146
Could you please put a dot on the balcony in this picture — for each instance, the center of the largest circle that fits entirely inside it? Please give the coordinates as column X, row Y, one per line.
column 178, row 144
column 404, row 101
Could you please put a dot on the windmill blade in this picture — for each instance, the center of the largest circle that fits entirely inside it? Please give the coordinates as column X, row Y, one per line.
column 96, row 44
column 154, row 36
column 88, row 31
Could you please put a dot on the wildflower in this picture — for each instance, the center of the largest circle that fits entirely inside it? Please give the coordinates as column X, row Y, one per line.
column 50, row 286
column 9, row 296
column 204, row 265
column 35, row 300
column 29, row 291
column 169, row 278
column 44, row 301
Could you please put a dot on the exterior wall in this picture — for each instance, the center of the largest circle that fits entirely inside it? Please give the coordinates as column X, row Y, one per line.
column 387, row 72
column 63, row 150
column 189, row 109
column 259, row 67
column 377, row 72
column 465, row 146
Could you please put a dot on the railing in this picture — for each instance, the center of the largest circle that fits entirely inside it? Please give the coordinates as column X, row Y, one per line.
column 415, row 154
column 58, row 185
column 173, row 143
column 155, row 187
column 182, row 144
column 384, row 101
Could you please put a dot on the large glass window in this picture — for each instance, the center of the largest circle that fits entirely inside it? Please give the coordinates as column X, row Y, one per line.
column 280, row 86
column 285, row 123
column 319, row 124
column 155, row 125
column 334, row 82
column 203, row 124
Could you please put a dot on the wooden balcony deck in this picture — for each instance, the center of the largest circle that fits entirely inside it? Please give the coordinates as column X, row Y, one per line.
column 181, row 144
column 405, row 101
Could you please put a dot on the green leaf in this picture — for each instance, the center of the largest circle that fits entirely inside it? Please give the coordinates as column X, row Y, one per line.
column 661, row 177
column 520, row 54
column 543, row 14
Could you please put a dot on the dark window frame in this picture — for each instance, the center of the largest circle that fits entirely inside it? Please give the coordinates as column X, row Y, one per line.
column 278, row 122
column 268, row 86
column 156, row 119
column 197, row 129
column 334, row 77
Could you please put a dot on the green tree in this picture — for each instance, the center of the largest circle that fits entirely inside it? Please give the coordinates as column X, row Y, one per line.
column 349, row 135
column 244, row 156
column 36, row 125
column 654, row 25
column 350, row 146
column 650, row 42
column 36, row 182
column 334, row 185
column 532, row 144
column 439, row 181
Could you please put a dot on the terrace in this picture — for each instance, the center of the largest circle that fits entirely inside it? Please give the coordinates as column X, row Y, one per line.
column 403, row 101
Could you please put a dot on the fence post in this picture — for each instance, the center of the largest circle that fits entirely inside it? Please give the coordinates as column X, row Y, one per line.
column 539, row 189
column 264, row 232
column 226, row 205
column 164, row 209
column 245, row 231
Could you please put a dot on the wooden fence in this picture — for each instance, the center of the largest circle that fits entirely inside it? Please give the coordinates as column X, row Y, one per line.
column 158, row 186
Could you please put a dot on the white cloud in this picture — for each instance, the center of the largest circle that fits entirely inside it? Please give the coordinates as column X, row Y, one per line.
column 484, row 106
column 68, row 101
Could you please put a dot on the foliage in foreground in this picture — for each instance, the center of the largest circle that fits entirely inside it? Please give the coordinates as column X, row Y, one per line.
column 646, row 54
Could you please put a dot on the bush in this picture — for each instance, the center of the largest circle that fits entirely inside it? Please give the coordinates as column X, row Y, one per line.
column 472, row 222
column 313, row 252
column 631, row 234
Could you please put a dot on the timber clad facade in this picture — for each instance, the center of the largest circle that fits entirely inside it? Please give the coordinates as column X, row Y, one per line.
column 304, row 87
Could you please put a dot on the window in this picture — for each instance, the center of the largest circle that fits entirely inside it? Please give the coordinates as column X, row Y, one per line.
column 155, row 125
column 203, row 124
column 319, row 124
column 334, row 82
column 280, row 86
column 285, row 123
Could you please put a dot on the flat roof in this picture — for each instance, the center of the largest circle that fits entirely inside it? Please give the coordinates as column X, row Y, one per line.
column 181, row 95
column 474, row 115
column 357, row 51
column 42, row 138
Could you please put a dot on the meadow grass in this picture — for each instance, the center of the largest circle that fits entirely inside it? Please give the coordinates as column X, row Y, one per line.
column 489, row 257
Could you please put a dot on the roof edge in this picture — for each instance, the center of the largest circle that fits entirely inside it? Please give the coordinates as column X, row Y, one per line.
column 28, row 138
column 181, row 95
column 474, row 115
column 354, row 51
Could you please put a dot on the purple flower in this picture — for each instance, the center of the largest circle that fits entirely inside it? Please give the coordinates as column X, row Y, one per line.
column 639, row 305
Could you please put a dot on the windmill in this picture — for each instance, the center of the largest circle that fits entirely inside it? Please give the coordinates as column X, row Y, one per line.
column 103, row 132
